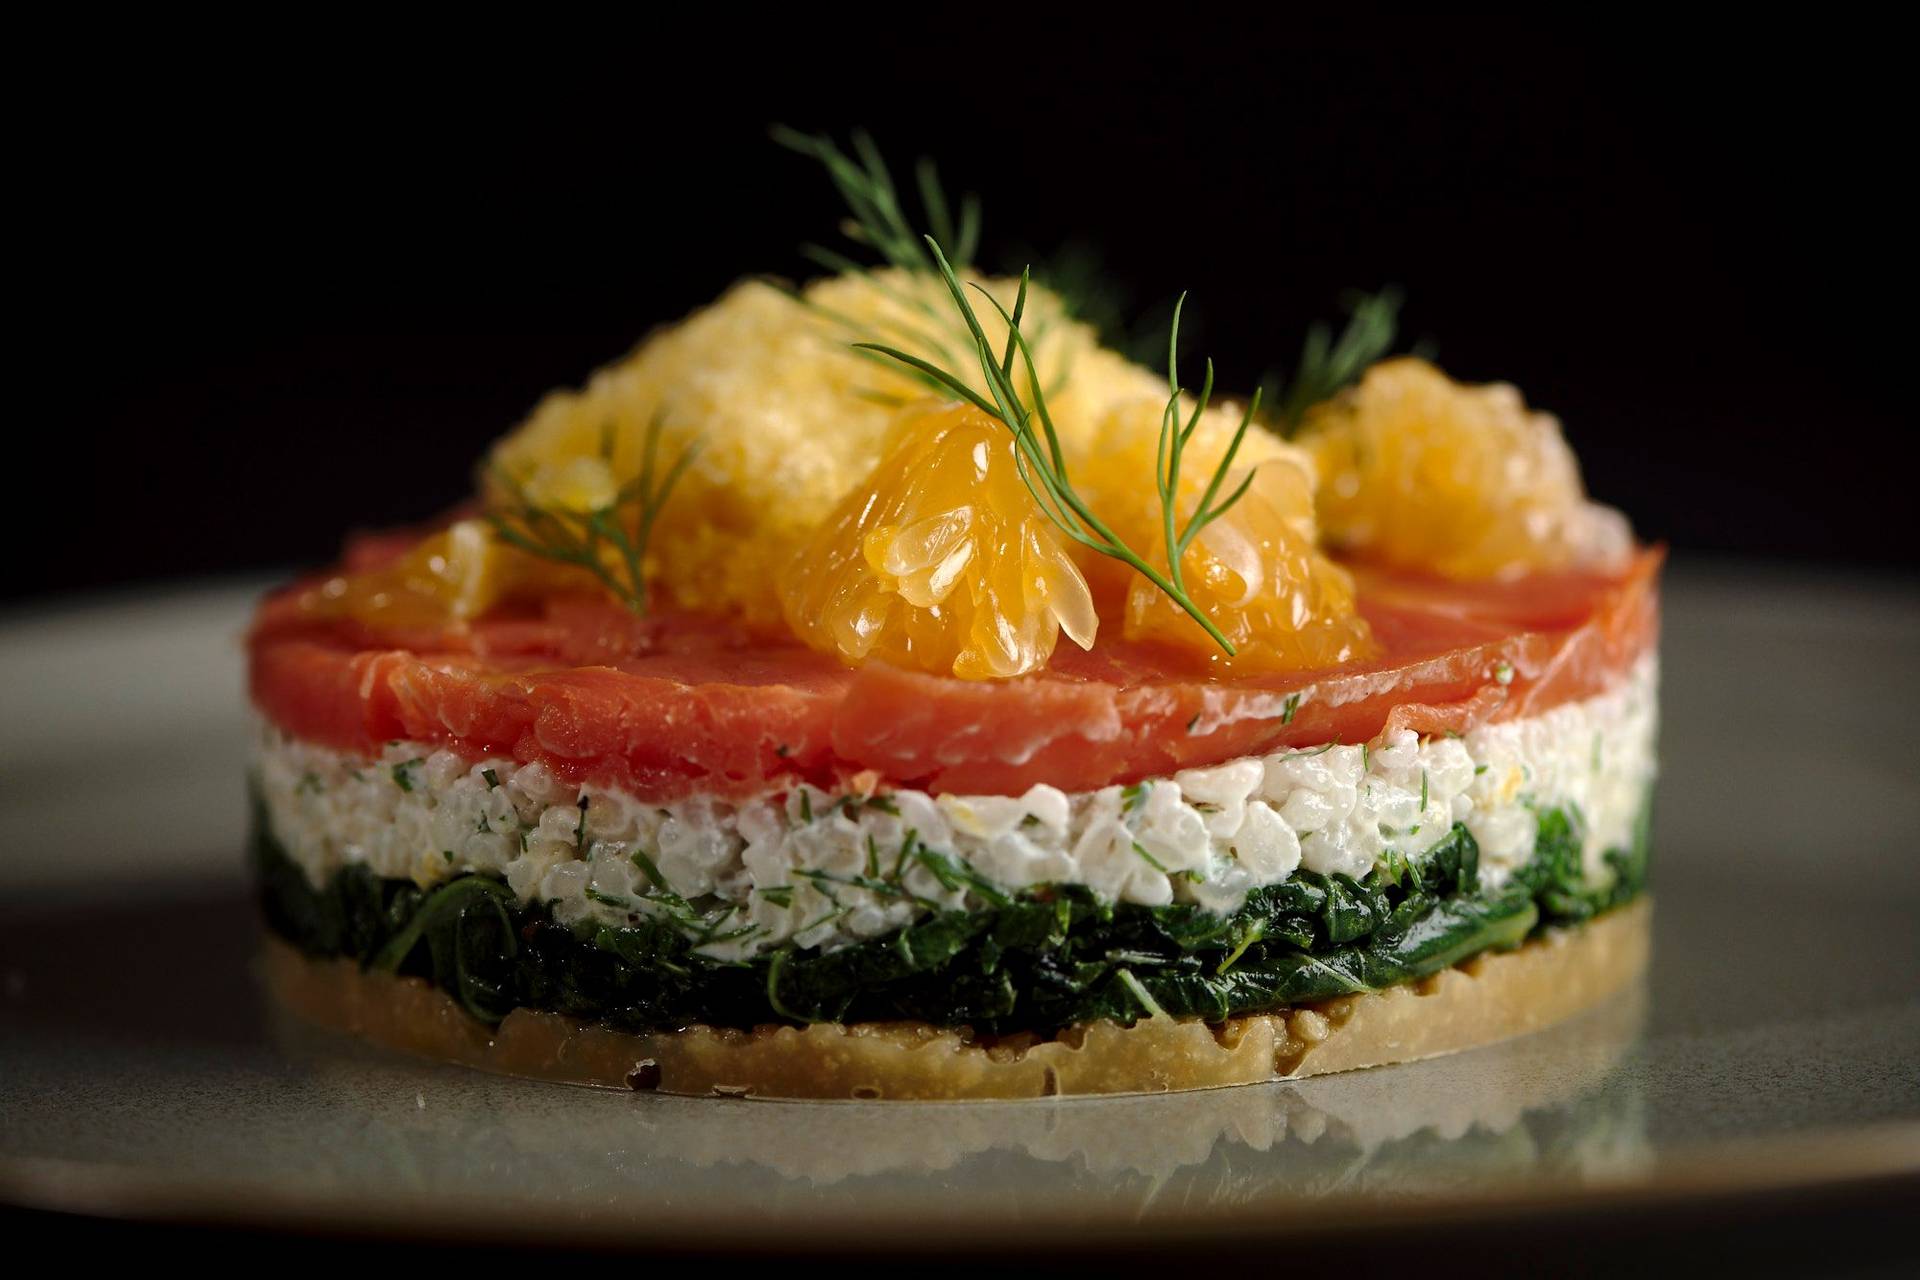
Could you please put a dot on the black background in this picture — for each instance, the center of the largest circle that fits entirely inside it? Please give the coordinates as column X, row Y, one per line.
column 296, row 283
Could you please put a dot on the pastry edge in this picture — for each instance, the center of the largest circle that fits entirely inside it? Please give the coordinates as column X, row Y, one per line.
column 1486, row 998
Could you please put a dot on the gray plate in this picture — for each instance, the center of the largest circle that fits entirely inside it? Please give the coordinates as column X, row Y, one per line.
column 1774, row 1051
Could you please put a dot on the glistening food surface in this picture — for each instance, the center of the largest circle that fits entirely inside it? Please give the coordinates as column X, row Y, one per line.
column 673, row 706
column 1263, row 881
column 1771, row 1018
column 786, row 860
column 887, row 650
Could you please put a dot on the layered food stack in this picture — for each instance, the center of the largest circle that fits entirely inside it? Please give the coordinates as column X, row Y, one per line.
column 879, row 688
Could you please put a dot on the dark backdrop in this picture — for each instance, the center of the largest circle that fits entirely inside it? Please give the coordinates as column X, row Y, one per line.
column 299, row 283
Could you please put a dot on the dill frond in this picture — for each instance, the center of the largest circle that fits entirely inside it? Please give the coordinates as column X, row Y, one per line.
column 609, row 541
column 1328, row 364
column 1042, row 462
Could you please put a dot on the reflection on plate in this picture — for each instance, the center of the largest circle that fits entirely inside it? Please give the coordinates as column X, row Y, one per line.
column 1495, row 1111
column 1775, row 1046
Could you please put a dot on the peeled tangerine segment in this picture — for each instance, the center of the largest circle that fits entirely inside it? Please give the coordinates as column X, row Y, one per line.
column 1255, row 570
column 1256, row 573
column 452, row 576
column 941, row 561
column 1420, row 472
column 789, row 418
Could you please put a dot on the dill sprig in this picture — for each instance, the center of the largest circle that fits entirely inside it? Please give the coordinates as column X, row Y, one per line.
column 878, row 220
column 929, row 347
column 1041, row 461
column 609, row 541
column 1328, row 364
column 1173, row 444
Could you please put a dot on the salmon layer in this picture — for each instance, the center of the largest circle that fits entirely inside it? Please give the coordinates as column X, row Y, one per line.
column 673, row 706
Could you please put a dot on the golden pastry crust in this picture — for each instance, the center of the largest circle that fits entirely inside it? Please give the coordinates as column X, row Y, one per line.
column 1487, row 998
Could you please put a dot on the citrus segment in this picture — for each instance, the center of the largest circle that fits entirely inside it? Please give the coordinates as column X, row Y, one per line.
column 455, row 575
column 1254, row 571
column 1256, row 574
column 789, row 417
column 941, row 561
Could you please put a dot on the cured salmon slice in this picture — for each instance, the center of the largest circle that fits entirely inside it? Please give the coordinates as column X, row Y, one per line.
column 677, row 705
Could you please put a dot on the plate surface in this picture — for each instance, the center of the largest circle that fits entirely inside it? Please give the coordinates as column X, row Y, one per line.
column 1775, row 1050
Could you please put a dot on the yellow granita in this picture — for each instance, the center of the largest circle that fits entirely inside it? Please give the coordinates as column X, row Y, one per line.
column 788, row 416
column 1255, row 571
column 1420, row 472
column 940, row 560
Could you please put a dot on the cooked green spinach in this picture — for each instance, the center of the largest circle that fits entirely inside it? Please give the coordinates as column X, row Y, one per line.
column 1039, row 960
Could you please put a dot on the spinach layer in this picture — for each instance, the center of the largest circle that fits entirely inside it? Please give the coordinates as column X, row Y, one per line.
column 1044, row 959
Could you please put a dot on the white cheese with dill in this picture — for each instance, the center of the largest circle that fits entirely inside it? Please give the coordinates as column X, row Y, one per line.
column 817, row 869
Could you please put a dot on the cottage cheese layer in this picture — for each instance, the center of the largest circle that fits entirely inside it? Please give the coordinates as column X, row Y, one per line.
column 817, row 869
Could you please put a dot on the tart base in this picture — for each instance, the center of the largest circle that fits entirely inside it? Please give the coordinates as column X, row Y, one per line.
column 1486, row 998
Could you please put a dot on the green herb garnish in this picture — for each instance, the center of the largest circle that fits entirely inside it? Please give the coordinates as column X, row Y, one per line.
column 651, row 869
column 1042, row 463
column 1189, row 875
column 879, row 220
column 610, row 541
column 1328, row 364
